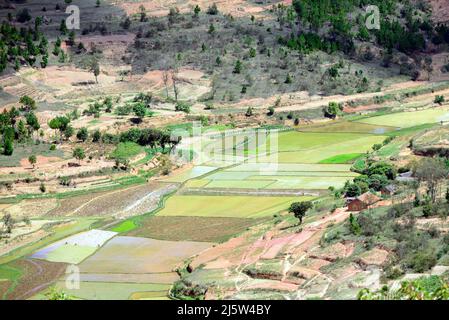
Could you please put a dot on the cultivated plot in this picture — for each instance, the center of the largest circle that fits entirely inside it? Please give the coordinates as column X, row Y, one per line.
column 141, row 255
column 348, row 126
column 410, row 119
column 76, row 248
column 227, row 206
column 207, row 229
column 113, row 291
column 315, row 155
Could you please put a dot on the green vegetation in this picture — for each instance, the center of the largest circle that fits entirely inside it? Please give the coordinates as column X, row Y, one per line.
column 342, row 158
column 125, row 226
column 424, row 288
column 226, row 206
column 126, row 150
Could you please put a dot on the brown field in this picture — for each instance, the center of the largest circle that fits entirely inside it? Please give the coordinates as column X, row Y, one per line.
column 130, row 201
column 37, row 275
column 192, row 228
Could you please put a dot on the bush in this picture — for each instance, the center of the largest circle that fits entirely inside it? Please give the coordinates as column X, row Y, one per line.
column 439, row 99
column 182, row 107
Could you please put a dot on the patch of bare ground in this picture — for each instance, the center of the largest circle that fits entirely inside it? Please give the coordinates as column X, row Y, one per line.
column 440, row 224
column 271, row 285
column 333, row 252
column 31, row 208
column 373, row 257
column 238, row 8
column 440, row 10
column 37, row 275
column 22, row 241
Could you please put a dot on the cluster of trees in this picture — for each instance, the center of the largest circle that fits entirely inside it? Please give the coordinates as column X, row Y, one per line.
column 18, row 124
column 332, row 110
column 151, row 137
column 22, row 46
column 309, row 42
column 374, row 177
column 310, row 20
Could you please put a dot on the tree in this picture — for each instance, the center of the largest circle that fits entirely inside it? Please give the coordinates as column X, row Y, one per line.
column 182, row 106
column 143, row 13
column 68, row 132
column 432, row 172
column 332, row 110
column 32, row 122
column 196, row 11
column 354, row 225
column 8, row 147
column 22, row 132
column 23, row 15
column 238, row 67
column 32, row 160
column 213, row 9
column 8, row 222
column 27, row 103
column 79, row 154
column 139, row 110
column 95, row 69
column 353, row 190
column 211, row 29
column 59, row 123
column 63, row 27
column 299, row 209
column 439, row 99
column 96, row 136
column 71, row 39
column 382, row 168
column 82, row 134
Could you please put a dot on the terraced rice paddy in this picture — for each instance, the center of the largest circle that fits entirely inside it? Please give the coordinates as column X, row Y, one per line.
column 208, row 229
column 113, row 291
column 348, row 126
column 409, row 119
column 227, row 206
column 132, row 255
column 76, row 248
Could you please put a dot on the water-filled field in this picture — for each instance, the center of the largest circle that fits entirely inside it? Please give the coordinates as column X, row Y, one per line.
column 76, row 248
column 140, row 255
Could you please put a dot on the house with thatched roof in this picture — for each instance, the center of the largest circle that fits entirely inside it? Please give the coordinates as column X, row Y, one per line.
column 363, row 202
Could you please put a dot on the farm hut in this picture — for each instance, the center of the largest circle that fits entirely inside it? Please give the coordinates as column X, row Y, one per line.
column 389, row 190
column 363, row 202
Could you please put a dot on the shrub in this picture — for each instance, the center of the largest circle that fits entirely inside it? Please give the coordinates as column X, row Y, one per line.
column 182, row 107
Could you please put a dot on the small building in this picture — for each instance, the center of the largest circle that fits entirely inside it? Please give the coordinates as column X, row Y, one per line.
column 389, row 190
column 363, row 202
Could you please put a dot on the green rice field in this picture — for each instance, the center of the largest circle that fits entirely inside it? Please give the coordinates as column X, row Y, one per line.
column 409, row 119
column 227, row 206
